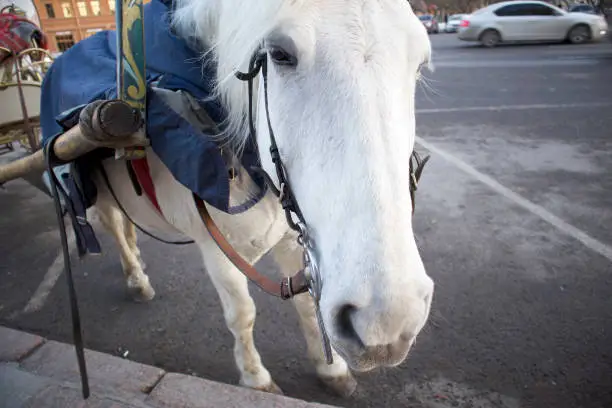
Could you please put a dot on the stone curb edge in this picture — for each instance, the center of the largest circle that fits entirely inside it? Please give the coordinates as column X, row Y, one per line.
column 50, row 377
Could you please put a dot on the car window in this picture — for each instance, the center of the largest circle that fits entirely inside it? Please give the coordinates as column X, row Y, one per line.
column 540, row 10
column 507, row 11
column 525, row 9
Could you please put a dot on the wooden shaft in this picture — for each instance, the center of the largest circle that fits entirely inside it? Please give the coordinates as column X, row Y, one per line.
column 32, row 163
column 112, row 124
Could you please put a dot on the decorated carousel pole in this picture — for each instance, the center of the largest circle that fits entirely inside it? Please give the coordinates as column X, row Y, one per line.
column 131, row 90
column 131, row 71
column 117, row 124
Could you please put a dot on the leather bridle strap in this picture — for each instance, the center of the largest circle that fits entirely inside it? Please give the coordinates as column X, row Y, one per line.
column 285, row 194
column 416, row 169
column 285, row 289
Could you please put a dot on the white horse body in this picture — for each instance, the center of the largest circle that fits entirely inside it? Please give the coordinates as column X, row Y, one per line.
column 343, row 116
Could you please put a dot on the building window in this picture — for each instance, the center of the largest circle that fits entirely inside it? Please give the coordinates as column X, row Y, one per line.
column 64, row 41
column 67, row 10
column 95, row 7
column 111, row 6
column 49, row 10
column 82, row 6
column 91, row 32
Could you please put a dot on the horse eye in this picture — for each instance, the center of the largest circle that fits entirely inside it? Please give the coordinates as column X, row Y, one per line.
column 282, row 57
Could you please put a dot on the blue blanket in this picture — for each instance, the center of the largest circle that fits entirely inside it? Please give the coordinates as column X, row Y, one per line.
column 87, row 72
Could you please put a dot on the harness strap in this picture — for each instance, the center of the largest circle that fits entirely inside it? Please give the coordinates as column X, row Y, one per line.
column 77, row 331
column 143, row 175
column 83, row 231
column 133, row 178
column 417, row 164
column 285, row 289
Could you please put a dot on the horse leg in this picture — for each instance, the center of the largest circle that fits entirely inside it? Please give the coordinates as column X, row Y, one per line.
column 117, row 224
column 131, row 238
column 336, row 376
column 239, row 313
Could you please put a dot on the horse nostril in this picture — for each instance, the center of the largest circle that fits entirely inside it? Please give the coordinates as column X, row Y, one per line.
column 344, row 322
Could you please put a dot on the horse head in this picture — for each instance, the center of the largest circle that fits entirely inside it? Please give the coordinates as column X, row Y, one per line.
column 340, row 79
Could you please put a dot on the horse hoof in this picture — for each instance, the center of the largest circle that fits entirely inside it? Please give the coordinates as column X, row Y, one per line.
column 344, row 386
column 142, row 294
column 272, row 388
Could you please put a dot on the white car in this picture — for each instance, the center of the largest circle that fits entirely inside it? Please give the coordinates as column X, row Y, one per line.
column 518, row 21
column 453, row 23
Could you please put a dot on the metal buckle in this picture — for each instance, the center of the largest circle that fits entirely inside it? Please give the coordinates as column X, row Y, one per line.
column 311, row 265
column 313, row 276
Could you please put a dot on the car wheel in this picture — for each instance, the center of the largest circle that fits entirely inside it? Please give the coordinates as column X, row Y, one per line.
column 579, row 34
column 490, row 38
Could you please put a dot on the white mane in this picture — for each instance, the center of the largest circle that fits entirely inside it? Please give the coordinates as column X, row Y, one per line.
column 232, row 30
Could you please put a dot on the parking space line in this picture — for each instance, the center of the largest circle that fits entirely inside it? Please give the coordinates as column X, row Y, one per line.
column 504, row 64
column 535, row 209
column 38, row 299
column 500, row 108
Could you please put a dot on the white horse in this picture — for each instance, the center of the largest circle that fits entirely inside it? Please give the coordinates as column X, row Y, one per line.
column 341, row 85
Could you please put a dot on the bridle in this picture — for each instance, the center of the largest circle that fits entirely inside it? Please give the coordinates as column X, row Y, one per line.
column 309, row 278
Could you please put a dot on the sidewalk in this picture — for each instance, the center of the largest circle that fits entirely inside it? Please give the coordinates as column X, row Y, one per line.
column 40, row 373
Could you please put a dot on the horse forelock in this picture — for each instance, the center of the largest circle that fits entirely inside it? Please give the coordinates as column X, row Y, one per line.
column 231, row 30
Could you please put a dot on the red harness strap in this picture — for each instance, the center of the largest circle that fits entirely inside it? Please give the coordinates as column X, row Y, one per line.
column 141, row 169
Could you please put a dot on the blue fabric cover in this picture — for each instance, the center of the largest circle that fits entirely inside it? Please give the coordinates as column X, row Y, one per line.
column 87, row 72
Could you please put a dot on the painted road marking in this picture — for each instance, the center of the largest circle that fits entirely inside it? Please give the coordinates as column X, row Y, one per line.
column 535, row 209
column 514, row 63
column 38, row 299
column 517, row 107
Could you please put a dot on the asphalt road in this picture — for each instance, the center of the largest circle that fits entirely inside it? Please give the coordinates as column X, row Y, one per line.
column 513, row 219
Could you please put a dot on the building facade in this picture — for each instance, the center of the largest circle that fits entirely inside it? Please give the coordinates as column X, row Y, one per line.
column 66, row 22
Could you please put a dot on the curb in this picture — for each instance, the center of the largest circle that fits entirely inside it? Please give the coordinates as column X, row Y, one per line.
column 41, row 373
